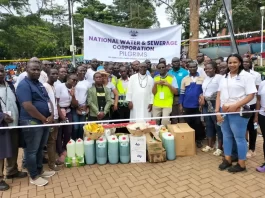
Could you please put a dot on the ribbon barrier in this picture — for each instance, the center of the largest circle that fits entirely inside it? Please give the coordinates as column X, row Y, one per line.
column 104, row 122
column 48, row 58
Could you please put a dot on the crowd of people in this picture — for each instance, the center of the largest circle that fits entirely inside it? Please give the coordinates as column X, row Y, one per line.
column 46, row 94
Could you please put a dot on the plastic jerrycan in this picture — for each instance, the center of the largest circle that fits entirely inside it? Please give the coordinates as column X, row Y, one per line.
column 162, row 137
column 169, row 142
column 113, row 149
column 124, row 147
column 70, row 147
column 90, row 151
column 101, row 150
column 79, row 148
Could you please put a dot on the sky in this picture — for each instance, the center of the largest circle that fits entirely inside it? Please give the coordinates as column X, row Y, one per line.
column 160, row 11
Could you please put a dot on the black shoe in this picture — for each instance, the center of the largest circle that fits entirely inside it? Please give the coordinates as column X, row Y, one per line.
column 45, row 161
column 199, row 144
column 236, row 168
column 19, row 174
column 3, row 186
column 225, row 164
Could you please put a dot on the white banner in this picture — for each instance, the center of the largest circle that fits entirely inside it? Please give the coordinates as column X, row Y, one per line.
column 118, row 44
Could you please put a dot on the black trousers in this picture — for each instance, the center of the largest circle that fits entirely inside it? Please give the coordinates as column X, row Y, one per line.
column 251, row 131
column 262, row 128
column 195, row 122
column 124, row 113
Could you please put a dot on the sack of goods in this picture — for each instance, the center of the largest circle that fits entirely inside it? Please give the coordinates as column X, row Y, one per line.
column 93, row 130
column 75, row 153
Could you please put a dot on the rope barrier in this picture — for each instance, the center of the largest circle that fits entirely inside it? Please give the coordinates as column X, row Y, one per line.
column 124, row 120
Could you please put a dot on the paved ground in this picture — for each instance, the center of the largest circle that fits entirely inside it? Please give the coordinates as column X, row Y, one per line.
column 196, row 176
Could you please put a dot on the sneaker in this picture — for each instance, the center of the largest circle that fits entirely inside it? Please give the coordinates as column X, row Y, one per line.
column 251, row 154
column 218, row 152
column 224, row 165
column 55, row 168
column 199, row 144
column 236, row 168
column 3, row 186
column 207, row 149
column 39, row 181
column 48, row 174
column 19, row 174
column 261, row 168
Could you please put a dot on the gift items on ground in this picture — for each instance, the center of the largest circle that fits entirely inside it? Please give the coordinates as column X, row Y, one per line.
column 184, row 139
column 75, row 153
column 146, row 142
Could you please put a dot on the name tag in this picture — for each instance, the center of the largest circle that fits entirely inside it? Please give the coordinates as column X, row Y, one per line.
column 100, row 94
column 161, row 96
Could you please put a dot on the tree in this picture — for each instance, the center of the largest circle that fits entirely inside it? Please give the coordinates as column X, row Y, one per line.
column 13, row 7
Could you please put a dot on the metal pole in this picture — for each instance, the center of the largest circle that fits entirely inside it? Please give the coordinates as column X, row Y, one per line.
column 72, row 31
column 261, row 44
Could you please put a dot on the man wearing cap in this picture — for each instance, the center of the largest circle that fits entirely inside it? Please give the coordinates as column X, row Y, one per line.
column 179, row 74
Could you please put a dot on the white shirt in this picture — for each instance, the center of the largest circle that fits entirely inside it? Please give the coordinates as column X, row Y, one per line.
column 81, row 91
column 51, row 92
column 89, row 75
column 43, row 77
column 211, row 84
column 63, row 93
column 112, row 87
column 261, row 93
column 8, row 103
column 236, row 88
column 257, row 78
column 58, row 82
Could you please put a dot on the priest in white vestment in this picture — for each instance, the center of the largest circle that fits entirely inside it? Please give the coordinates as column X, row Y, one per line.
column 139, row 94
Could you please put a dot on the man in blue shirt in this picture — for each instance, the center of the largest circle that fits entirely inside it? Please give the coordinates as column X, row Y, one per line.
column 34, row 99
column 179, row 74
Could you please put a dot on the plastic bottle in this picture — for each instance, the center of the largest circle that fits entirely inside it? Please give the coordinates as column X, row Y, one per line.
column 113, row 149
column 90, row 151
column 70, row 147
column 79, row 148
column 220, row 123
column 101, row 150
column 256, row 126
column 169, row 142
column 124, row 148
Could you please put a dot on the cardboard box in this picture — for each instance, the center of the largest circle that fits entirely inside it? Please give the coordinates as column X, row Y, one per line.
column 138, row 143
column 157, row 156
column 138, row 156
column 154, row 143
column 184, row 139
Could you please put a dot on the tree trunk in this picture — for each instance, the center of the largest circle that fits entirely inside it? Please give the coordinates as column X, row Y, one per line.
column 194, row 28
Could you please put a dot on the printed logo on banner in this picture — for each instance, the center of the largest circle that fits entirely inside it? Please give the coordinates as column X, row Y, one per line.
column 133, row 33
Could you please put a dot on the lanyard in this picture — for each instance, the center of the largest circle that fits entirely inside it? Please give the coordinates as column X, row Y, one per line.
column 4, row 102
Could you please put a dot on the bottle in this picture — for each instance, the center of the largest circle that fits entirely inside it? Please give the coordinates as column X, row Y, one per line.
column 101, row 110
column 113, row 149
column 79, row 148
column 90, row 151
column 169, row 145
column 124, row 148
column 101, row 150
column 70, row 147
column 256, row 126
column 220, row 123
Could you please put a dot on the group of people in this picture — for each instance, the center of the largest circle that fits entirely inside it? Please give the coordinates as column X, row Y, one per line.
column 44, row 95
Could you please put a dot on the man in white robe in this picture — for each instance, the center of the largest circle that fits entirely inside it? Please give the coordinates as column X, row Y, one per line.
column 139, row 94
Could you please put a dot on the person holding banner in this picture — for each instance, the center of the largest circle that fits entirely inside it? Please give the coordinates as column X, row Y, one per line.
column 139, row 94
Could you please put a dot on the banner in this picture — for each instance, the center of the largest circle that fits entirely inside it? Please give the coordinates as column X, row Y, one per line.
column 118, row 44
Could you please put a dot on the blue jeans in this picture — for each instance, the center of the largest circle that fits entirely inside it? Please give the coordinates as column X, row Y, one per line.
column 235, row 127
column 78, row 128
column 211, row 125
column 35, row 140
